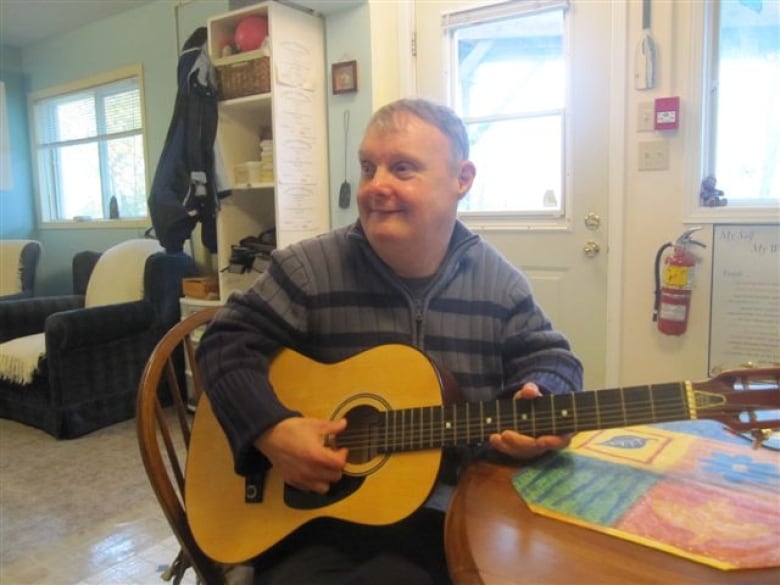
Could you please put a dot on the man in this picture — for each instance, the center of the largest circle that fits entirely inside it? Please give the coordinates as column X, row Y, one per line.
column 406, row 272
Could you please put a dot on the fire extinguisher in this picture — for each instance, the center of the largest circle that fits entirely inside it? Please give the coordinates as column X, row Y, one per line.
column 673, row 287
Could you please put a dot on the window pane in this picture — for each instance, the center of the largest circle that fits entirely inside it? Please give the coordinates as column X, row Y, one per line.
column 747, row 136
column 511, row 66
column 123, row 111
column 503, row 151
column 126, row 175
column 510, row 88
column 79, row 181
column 90, row 149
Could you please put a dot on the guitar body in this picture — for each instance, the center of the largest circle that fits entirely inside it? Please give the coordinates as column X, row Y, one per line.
column 378, row 488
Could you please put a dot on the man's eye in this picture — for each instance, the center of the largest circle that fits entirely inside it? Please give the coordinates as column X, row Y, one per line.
column 367, row 170
column 403, row 169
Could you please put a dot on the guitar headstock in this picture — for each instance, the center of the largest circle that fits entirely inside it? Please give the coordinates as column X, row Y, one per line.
column 743, row 396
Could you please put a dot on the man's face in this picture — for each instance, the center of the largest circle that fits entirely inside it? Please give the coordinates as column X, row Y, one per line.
column 409, row 187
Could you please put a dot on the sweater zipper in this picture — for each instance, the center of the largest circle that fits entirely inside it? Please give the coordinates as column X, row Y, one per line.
column 418, row 324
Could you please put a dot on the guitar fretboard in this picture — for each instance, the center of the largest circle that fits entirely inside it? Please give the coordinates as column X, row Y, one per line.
column 432, row 427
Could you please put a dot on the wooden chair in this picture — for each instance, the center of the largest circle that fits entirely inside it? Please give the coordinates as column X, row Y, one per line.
column 164, row 435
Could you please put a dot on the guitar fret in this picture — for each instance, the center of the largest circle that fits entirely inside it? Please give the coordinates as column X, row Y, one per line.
column 652, row 403
column 623, row 406
column 482, row 420
column 598, row 412
column 468, row 423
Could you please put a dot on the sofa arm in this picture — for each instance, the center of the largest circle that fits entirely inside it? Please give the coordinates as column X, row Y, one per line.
column 97, row 325
column 28, row 316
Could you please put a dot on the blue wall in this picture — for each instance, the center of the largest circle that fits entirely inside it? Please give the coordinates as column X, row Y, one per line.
column 147, row 35
column 17, row 210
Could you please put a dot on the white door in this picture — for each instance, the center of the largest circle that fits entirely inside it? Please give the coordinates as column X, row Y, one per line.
column 567, row 267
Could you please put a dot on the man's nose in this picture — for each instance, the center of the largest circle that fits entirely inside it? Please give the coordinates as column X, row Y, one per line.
column 379, row 180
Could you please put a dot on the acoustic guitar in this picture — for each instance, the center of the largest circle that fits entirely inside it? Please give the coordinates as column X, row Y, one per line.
column 395, row 443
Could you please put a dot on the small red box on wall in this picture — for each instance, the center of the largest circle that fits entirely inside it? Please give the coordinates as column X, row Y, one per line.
column 667, row 113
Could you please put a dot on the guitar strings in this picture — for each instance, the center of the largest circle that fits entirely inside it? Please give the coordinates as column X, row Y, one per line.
column 406, row 433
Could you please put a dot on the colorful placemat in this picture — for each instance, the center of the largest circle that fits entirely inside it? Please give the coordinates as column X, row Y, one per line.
column 690, row 488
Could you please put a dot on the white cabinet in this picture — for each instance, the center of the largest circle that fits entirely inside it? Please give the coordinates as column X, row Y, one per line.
column 189, row 306
column 293, row 199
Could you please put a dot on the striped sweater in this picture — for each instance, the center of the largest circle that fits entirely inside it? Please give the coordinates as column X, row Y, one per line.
column 331, row 297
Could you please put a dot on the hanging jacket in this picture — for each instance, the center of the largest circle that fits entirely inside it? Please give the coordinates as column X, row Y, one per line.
column 184, row 189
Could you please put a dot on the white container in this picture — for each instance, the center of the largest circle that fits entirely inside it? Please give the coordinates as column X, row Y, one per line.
column 247, row 173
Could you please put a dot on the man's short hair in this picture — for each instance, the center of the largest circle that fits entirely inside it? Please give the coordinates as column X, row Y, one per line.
column 435, row 114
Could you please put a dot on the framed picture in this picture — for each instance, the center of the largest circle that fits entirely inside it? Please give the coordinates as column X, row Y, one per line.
column 344, row 76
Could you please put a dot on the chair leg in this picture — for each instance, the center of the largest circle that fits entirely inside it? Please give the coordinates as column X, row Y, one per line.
column 176, row 569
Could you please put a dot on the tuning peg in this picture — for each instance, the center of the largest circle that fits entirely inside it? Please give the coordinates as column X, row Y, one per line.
column 760, row 436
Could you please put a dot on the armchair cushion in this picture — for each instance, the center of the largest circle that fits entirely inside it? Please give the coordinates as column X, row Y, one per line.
column 118, row 275
column 18, row 265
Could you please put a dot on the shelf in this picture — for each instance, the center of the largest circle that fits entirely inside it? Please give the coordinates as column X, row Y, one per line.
column 258, row 105
column 236, row 58
column 222, row 30
column 250, row 186
column 293, row 117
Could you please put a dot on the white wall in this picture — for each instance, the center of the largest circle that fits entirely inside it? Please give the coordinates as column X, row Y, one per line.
column 655, row 211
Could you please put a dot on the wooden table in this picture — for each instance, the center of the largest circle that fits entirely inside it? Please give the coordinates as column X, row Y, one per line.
column 493, row 538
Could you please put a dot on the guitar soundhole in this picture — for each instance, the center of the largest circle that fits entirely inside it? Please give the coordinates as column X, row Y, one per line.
column 360, row 435
column 360, row 438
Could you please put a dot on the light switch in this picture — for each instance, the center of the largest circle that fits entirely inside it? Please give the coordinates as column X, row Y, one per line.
column 645, row 117
column 653, row 155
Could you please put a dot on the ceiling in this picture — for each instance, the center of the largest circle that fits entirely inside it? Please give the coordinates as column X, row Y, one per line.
column 24, row 22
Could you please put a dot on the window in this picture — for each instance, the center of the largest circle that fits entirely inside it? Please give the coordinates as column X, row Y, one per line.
column 742, row 101
column 508, row 84
column 89, row 149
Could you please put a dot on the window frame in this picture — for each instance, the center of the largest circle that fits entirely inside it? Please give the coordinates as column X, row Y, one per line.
column 704, row 27
column 131, row 71
column 557, row 221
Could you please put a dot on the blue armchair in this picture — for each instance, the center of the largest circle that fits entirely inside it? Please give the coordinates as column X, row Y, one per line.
column 93, row 346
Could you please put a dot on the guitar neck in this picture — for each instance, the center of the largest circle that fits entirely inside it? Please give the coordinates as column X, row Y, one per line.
column 432, row 427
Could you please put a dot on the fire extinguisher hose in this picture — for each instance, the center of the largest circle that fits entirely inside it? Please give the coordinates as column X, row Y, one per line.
column 657, row 302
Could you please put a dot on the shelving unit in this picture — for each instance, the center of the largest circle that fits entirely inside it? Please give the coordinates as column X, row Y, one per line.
column 294, row 109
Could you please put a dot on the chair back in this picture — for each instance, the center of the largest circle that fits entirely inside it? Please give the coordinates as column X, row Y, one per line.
column 163, row 427
column 118, row 274
column 18, row 268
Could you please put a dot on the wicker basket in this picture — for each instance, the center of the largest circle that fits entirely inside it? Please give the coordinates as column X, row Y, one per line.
column 244, row 78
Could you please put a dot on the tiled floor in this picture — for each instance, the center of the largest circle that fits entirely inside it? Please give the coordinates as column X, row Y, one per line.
column 80, row 511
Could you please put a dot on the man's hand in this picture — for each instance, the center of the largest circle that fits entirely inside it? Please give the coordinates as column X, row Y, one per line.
column 297, row 449
column 522, row 446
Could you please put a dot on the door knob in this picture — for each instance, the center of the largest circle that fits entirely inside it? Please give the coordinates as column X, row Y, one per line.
column 591, row 248
column 592, row 220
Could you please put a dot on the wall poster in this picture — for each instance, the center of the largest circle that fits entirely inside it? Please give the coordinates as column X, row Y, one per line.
column 745, row 315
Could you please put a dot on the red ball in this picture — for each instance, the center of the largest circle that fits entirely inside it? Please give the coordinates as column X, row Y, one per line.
column 250, row 33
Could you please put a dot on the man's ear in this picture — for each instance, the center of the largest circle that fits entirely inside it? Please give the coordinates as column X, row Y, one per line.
column 466, row 173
